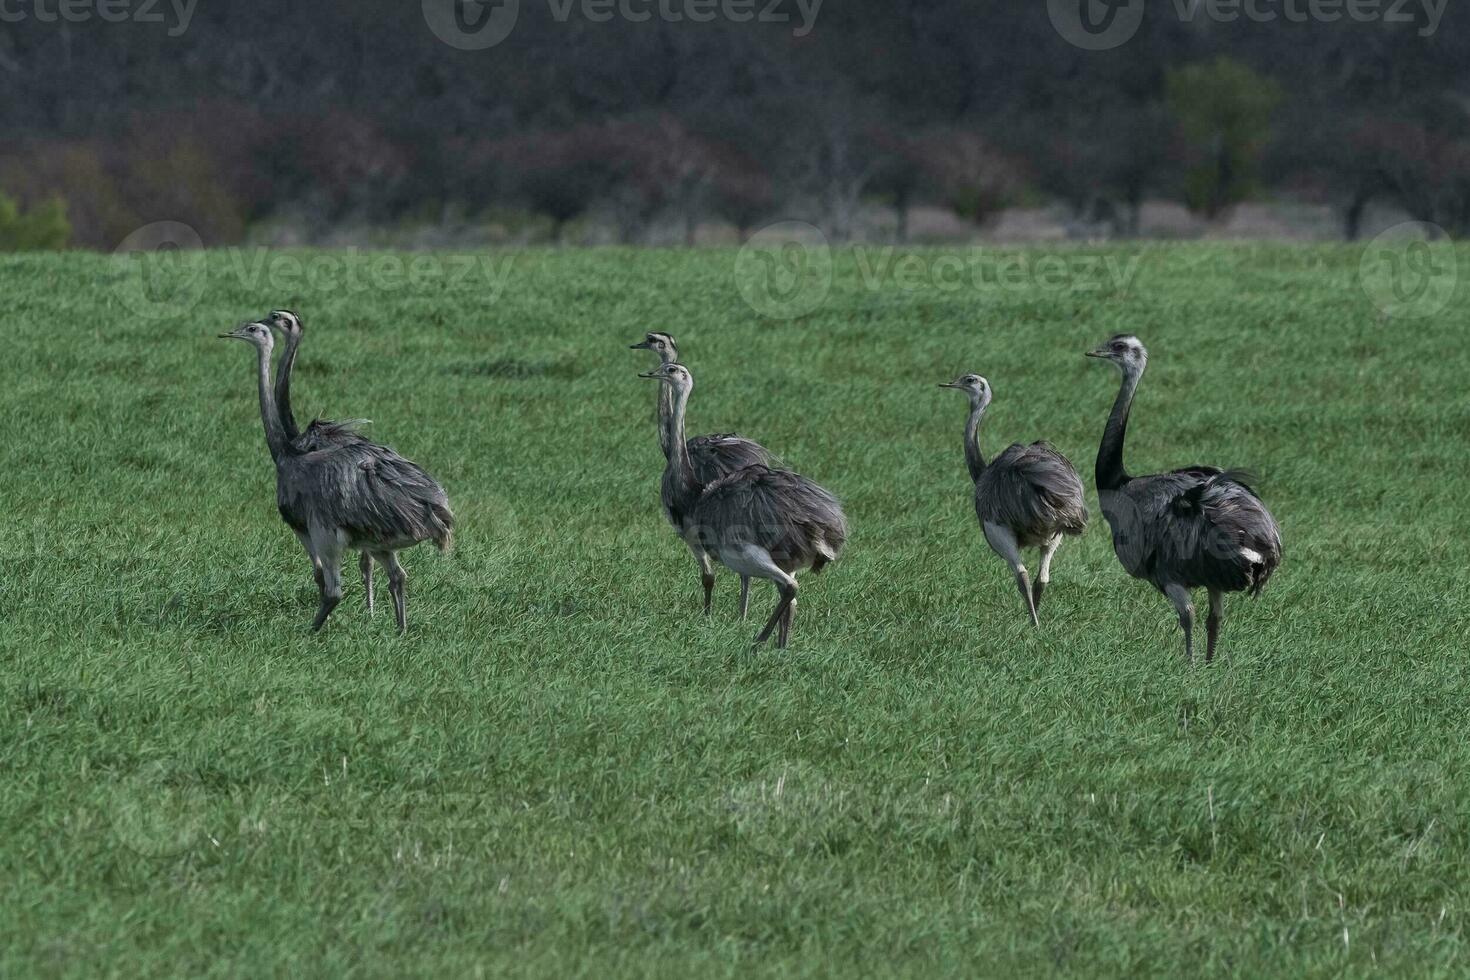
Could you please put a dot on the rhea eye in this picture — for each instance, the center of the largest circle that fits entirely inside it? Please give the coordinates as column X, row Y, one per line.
column 1118, row 347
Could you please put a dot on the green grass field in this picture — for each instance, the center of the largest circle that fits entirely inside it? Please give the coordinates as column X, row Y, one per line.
column 564, row 770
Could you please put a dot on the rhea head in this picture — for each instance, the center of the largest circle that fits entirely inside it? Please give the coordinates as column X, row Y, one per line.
column 1125, row 351
column 971, row 384
column 252, row 333
column 285, row 321
column 676, row 376
column 661, row 344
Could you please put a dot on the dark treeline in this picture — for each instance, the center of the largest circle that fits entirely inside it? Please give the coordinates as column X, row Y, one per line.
column 336, row 113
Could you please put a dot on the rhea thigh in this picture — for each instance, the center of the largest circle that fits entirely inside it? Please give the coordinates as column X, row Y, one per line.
column 754, row 561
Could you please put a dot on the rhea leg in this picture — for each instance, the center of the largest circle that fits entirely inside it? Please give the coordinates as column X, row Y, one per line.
column 397, row 588
column 756, row 562
column 1003, row 542
column 787, row 590
column 365, row 565
column 316, row 564
column 1184, row 606
column 1044, row 575
column 744, row 596
column 326, row 546
column 706, row 571
column 1212, row 623
column 786, row 620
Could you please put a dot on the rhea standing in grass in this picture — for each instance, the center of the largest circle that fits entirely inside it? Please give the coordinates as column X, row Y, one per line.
column 345, row 494
column 1027, row 497
column 711, row 456
column 320, row 433
column 757, row 521
column 1194, row 528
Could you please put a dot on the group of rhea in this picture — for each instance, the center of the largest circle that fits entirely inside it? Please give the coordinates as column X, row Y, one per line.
column 732, row 502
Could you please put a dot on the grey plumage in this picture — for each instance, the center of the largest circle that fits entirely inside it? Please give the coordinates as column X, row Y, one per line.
column 1192, row 528
column 1026, row 497
column 798, row 522
column 712, row 456
column 1033, row 490
column 337, row 490
column 758, row 521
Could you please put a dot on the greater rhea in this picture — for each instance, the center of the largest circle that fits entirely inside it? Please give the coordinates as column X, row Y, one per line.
column 352, row 494
column 1027, row 497
column 758, row 521
column 320, row 433
column 1196, row 527
column 712, row 457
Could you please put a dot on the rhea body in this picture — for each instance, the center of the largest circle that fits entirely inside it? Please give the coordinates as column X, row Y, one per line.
column 347, row 494
column 1026, row 497
column 712, row 456
column 759, row 521
column 1199, row 527
column 320, row 433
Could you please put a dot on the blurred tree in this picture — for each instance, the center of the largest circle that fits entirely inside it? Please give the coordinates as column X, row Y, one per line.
column 901, row 173
column 1223, row 109
column 973, row 179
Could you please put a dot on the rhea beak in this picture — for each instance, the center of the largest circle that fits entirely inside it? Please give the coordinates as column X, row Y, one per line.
column 239, row 332
column 948, row 384
column 651, row 374
column 1099, row 352
column 639, row 346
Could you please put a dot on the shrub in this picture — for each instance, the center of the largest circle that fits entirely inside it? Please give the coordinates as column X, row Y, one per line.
column 43, row 228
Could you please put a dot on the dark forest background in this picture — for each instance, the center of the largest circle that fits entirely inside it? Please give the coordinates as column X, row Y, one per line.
column 322, row 116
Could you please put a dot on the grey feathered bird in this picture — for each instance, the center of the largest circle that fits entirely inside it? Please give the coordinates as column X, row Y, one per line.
column 1027, row 497
column 320, row 433
column 1197, row 527
column 353, row 494
column 712, row 457
column 758, row 521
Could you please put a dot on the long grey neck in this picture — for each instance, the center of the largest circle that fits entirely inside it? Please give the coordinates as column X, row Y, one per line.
column 665, row 404
column 1109, row 472
column 678, row 449
column 973, row 459
column 275, row 436
column 283, row 386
